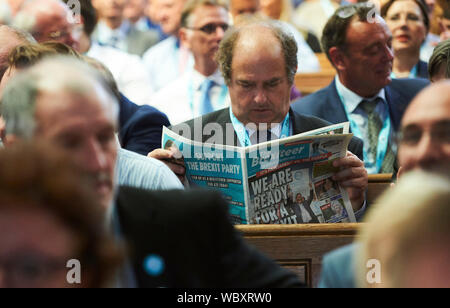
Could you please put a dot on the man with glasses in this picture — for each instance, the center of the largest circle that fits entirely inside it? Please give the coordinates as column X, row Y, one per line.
column 201, row 89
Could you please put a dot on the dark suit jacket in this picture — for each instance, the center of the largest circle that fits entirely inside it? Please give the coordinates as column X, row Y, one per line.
column 327, row 105
column 140, row 127
column 193, row 129
column 192, row 233
column 422, row 69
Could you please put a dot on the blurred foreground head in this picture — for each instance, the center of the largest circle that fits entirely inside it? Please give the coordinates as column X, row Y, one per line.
column 48, row 216
column 65, row 102
column 425, row 130
column 406, row 237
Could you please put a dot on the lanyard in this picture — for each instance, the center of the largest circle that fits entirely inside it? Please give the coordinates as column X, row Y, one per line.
column 220, row 101
column 383, row 140
column 242, row 133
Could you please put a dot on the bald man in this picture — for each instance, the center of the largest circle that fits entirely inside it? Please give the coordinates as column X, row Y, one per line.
column 425, row 131
column 424, row 144
column 259, row 62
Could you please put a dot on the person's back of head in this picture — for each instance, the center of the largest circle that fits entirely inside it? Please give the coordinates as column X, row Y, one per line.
column 9, row 38
column 439, row 63
column 406, row 239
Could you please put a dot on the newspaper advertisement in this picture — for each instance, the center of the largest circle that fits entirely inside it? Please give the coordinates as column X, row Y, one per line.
column 285, row 181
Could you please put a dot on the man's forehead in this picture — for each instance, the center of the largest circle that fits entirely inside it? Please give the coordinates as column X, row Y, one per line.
column 63, row 105
column 363, row 32
column 432, row 105
column 205, row 13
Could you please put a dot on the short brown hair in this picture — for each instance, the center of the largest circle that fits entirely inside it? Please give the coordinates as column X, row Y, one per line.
column 440, row 56
column 39, row 176
column 191, row 5
column 335, row 31
column 26, row 55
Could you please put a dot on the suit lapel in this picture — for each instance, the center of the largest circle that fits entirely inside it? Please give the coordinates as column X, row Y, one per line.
column 396, row 105
column 334, row 106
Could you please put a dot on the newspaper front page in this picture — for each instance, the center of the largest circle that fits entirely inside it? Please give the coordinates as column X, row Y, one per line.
column 285, row 181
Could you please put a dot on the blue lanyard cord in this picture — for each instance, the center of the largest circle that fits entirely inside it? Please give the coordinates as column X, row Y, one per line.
column 383, row 140
column 220, row 102
column 242, row 133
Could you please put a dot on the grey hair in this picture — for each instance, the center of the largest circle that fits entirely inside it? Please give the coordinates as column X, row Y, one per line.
column 18, row 102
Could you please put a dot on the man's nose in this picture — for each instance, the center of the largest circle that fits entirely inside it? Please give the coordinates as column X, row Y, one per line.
column 94, row 158
column 219, row 33
column 388, row 53
column 260, row 96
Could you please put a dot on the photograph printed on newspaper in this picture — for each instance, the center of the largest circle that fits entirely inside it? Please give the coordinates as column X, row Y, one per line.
column 285, row 181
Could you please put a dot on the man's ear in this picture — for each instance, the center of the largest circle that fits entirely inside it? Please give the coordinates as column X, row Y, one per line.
column 337, row 58
column 9, row 140
column 184, row 38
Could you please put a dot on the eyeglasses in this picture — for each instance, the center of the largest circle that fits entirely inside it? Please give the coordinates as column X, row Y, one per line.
column 210, row 28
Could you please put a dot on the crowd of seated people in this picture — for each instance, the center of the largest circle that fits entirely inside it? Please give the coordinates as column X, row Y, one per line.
column 86, row 90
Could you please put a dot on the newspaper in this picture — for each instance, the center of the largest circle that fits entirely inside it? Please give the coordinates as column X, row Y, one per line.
column 284, row 181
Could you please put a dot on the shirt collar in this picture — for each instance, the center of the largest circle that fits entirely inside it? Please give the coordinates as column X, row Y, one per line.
column 351, row 99
column 198, row 79
column 104, row 32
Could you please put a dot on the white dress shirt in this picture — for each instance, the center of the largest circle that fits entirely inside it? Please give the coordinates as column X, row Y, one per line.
column 166, row 61
column 128, row 71
column 307, row 60
column 180, row 100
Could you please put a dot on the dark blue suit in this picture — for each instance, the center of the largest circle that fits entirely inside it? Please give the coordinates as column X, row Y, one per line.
column 140, row 127
column 422, row 69
column 327, row 105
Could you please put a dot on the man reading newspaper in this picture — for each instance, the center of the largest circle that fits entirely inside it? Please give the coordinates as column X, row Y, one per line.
column 259, row 62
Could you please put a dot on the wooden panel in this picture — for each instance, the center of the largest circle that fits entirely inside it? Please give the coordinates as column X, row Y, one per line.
column 299, row 247
column 378, row 183
column 325, row 64
column 308, row 83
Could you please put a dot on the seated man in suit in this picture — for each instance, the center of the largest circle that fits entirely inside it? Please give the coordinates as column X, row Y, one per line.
column 423, row 145
column 362, row 92
column 168, row 247
column 259, row 62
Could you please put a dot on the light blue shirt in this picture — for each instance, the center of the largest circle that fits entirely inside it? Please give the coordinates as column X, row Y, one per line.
column 143, row 172
column 166, row 61
column 358, row 117
column 112, row 37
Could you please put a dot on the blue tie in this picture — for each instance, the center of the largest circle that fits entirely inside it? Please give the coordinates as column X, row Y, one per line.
column 206, row 105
